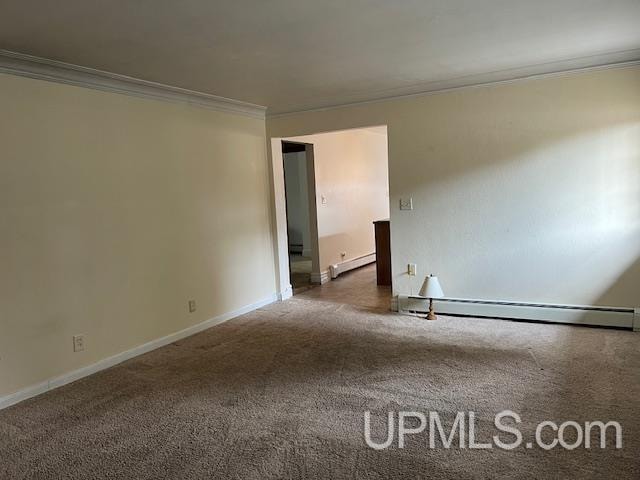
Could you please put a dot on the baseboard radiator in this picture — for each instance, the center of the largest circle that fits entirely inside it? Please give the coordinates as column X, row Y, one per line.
column 574, row 314
column 347, row 265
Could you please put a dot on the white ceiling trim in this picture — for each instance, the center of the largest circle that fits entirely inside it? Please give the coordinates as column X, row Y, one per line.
column 60, row 72
column 476, row 81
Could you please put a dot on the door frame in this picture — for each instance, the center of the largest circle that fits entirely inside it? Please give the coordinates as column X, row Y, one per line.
column 283, row 269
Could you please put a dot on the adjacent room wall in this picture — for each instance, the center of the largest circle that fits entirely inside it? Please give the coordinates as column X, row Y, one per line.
column 114, row 212
column 298, row 227
column 351, row 170
column 525, row 191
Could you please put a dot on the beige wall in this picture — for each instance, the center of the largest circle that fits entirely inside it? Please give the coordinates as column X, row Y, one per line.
column 114, row 211
column 526, row 191
column 297, row 188
column 351, row 172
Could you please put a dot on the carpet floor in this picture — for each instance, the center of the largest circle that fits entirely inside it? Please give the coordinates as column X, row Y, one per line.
column 281, row 393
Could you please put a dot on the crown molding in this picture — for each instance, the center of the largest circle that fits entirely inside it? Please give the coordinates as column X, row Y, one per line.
column 502, row 77
column 55, row 71
column 51, row 70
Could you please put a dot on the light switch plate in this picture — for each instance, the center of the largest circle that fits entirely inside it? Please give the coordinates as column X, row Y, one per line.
column 412, row 269
column 192, row 306
column 78, row 343
column 406, row 203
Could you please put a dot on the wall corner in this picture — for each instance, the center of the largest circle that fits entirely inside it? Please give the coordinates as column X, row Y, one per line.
column 394, row 306
column 320, row 278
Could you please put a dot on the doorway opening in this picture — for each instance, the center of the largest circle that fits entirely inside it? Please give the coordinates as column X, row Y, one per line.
column 325, row 215
column 299, row 189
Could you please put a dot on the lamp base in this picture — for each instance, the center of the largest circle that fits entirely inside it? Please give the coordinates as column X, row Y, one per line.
column 432, row 314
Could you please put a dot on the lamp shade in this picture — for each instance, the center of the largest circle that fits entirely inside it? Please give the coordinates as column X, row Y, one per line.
column 431, row 288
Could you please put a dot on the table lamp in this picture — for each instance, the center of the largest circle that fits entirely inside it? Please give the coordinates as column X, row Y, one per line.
column 431, row 289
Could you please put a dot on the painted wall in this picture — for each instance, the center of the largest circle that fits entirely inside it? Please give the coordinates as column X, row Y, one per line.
column 298, row 228
column 351, row 169
column 114, row 212
column 525, row 191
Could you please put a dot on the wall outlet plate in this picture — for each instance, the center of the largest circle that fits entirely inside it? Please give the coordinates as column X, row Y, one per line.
column 412, row 269
column 406, row 203
column 78, row 343
column 192, row 306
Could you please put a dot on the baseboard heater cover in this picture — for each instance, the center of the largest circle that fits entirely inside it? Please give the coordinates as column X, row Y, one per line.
column 338, row 268
column 574, row 314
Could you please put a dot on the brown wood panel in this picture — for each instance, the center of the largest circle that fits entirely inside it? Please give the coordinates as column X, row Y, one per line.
column 383, row 252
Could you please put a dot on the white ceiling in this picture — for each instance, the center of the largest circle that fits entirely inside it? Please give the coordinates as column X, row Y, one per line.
column 292, row 55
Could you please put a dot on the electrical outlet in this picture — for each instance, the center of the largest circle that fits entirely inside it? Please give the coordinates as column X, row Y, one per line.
column 412, row 269
column 192, row 306
column 78, row 343
column 406, row 203
column 323, row 199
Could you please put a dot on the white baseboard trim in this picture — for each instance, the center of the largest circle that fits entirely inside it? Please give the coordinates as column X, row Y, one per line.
column 393, row 305
column 636, row 320
column 108, row 362
column 574, row 314
column 347, row 265
column 320, row 278
column 286, row 294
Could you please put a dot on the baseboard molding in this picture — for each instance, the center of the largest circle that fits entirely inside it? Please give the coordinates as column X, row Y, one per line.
column 351, row 264
column 636, row 320
column 108, row 362
column 393, row 304
column 286, row 294
column 54, row 71
column 320, row 278
column 573, row 314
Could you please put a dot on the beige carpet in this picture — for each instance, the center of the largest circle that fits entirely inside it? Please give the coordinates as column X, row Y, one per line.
column 280, row 393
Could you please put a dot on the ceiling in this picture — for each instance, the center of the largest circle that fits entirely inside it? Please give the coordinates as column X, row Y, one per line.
column 293, row 55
